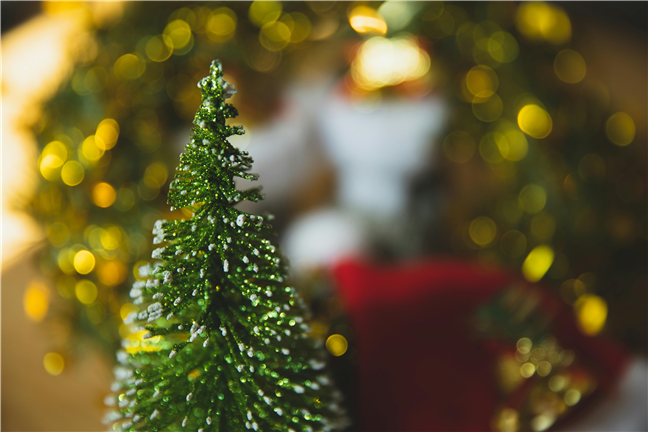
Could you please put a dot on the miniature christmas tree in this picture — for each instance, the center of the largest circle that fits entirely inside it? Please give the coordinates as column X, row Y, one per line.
column 227, row 346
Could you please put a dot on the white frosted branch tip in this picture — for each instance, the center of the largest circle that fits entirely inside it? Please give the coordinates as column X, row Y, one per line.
column 155, row 414
column 225, row 266
column 185, row 421
column 299, row 389
column 189, row 396
column 172, row 354
column 240, row 220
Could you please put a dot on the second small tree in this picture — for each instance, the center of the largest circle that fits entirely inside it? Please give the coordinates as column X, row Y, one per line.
column 228, row 346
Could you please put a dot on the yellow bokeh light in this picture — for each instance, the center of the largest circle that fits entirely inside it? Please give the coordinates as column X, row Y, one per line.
column 180, row 34
column 301, row 29
column 53, row 363
column 86, row 291
column 275, row 36
column 591, row 312
column 53, row 157
column 136, row 342
column 524, row 345
column 127, row 309
column 482, row 231
column 386, row 62
column 108, row 132
column 488, row 110
column 544, row 368
column 58, row 234
column 572, row 397
column 103, row 195
column 221, row 25
column 620, row 129
column 482, row 81
column 532, row 198
column 264, row 12
column 502, row 47
column 537, row 263
column 93, row 148
column 337, row 345
column 129, row 66
column 159, row 48
column 111, row 237
column 72, row 173
column 516, row 147
column 112, row 272
column 570, row 66
column 535, row 121
column 489, row 146
column 542, row 422
column 557, row 383
column 541, row 21
column 36, row 301
column 364, row 19
column 459, row 146
column 84, row 261
column 527, row 370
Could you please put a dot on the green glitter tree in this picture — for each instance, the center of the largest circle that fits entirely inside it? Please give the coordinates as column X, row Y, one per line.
column 227, row 346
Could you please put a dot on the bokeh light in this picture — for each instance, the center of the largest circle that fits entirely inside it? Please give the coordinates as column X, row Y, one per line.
column 364, row 19
column 570, row 66
column 84, row 261
column 620, row 129
column 482, row 231
column 534, row 121
column 591, row 312
column 53, row 363
column 542, row 21
column 386, row 62
column 86, row 291
column 103, row 195
column 337, row 344
column 537, row 263
column 72, row 173
column 36, row 301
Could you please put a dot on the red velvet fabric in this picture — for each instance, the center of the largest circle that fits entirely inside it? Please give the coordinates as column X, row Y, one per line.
column 420, row 367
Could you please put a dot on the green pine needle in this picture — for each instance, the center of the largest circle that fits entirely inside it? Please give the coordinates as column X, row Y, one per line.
column 227, row 346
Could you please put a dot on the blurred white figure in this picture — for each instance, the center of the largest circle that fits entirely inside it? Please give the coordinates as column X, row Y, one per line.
column 376, row 149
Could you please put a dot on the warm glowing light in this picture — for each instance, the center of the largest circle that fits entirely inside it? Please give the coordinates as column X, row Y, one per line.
column 108, row 132
column 127, row 309
column 112, row 273
column 532, row 198
column 103, row 195
column 72, row 173
column 159, row 48
column 542, row 422
column 534, row 121
column 221, row 24
column 337, row 344
column 591, row 312
column 503, row 47
column 398, row 14
column 524, row 345
column 52, row 158
column 364, row 19
column 544, row 368
column 557, row 383
column 482, row 81
column 515, row 147
column 572, row 397
column 86, row 291
column 537, row 263
column 482, row 231
column 180, row 34
column 130, row 66
column 53, row 363
column 459, row 146
column 539, row 20
column 36, row 301
column 92, row 148
column 302, row 27
column 275, row 36
column 527, row 370
column 111, row 237
column 264, row 12
column 84, row 261
column 386, row 62
column 135, row 342
column 570, row 66
column 620, row 129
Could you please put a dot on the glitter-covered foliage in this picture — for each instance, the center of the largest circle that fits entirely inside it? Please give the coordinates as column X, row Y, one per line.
column 227, row 346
